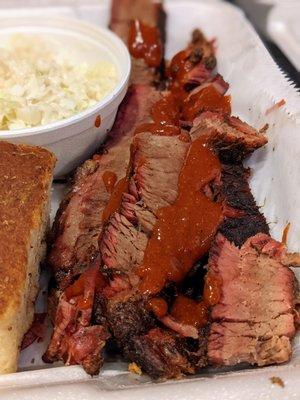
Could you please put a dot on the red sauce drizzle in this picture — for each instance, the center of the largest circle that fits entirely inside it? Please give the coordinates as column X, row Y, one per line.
column 158, row 306
column 109, row 178
column 194, row 313
column 212, row 289
column 189, row 312
column 98, row 121
column 144, row 42
column 184, row 230
column 79, row 290
column 207, row 99
column 115, row 198
column 165, row 116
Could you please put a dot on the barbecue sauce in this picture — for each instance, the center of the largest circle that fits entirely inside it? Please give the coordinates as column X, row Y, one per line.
column 177, row 72
column 189, row 312
column 109, row 179
column 184, row 230
column 144, row 42
column 115, row 199
column 208, row 99
column 158, row 306
column 98, row 121
column 80, row 290
column 165, row 116
column 212, row 289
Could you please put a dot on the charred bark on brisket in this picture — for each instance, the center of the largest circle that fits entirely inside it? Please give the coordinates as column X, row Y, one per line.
column 236, row 193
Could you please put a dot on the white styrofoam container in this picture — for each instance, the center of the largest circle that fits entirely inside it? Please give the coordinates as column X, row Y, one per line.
column 74, row 139
column 258, row 12
column 283, row 26
column 255, row 84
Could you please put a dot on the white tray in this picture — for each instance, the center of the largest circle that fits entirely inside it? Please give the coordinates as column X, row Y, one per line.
column 255, row 84
column 283, row 26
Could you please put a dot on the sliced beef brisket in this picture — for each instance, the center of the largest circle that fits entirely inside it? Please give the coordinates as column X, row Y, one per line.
column 253, row 321
column 156, row 163
column 163, row 354
column 74, row 339
column 149, row 12
column 248, row 277
column 124, row 11
column 79, row 220
column 76, row 230
column 231, row 138
column 243, row 218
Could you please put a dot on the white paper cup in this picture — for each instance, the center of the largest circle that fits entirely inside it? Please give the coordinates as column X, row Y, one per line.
column 74, row 139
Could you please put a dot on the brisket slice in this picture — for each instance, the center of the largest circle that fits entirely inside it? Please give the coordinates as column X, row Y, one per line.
column 76, row 229
column 230, row 137
column 124, row 11
column 162, row 353
column 73, row 250
column 150, row 13
column 254, row 319
column 79, row 219
column 157, row 162
column 76, row 339
column 244, row 218
column 156, row 165
column 232, row 140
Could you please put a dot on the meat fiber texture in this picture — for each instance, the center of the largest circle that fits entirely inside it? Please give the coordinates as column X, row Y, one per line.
column 79, row 220
column 153, row 185
column 254, row 319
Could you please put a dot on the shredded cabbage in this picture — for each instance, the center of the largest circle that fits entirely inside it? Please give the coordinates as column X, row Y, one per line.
column 39, row 85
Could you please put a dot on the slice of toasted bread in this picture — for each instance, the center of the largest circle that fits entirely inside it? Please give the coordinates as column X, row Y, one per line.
column 25, row 182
